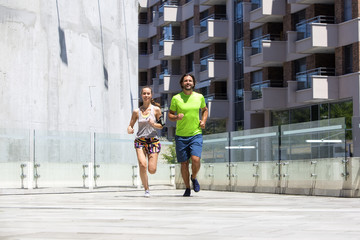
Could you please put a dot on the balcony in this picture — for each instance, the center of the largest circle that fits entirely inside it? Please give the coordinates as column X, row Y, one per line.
column 304, row 79
column 266, row 52
column 316, row 85
column 170, row 84
column 257, row 88
column 170, row 12
column 212, row 2
column 272, row 98
column 169, row 49
column 146, row 31
column 214, row 66
column 214, row 29
column 348, row 32
column 264, row 11
column 310, row 2
column 316, row 35
column 217, row 108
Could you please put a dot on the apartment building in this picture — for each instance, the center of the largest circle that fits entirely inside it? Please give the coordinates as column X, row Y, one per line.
column 259, row 63
column 188, row 36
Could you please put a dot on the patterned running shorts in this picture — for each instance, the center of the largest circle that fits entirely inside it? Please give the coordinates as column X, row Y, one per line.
column 150, row 145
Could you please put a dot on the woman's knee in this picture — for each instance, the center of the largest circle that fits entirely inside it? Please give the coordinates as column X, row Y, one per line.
column 152, row 170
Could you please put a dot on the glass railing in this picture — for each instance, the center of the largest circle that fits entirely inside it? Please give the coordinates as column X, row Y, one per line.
column 231, row 160
column 165, row 72
column 171, row 3
column 256, row 43
column 255, row 4
column 256, row 88
column 205, row 60
column 304, row 79
column 204, row 21
column 303, row 28
column 161, row 10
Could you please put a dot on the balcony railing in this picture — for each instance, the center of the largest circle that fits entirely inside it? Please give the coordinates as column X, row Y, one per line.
column 172, row 3
column 204, row 60
column 256, row 88
column 204, row 21
column 255, row 4
column 162, row 74
column 256, row 43
column 304, row 78
column 215, row 96
column 143, row 52
column 143, row 21
column 303, row 28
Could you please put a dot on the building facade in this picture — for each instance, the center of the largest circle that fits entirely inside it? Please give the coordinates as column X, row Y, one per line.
column 259, row 63
column 68, row 65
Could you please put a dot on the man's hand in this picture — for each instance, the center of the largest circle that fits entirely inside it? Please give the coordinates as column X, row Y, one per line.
column 202, row 124
column 180, row 116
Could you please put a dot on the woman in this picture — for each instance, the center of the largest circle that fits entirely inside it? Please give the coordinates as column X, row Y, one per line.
column 147, row 143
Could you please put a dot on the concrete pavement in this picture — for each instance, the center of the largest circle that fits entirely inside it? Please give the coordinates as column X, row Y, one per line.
column 123, row 213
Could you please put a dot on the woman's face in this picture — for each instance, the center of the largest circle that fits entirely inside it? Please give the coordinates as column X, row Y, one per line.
column 146, row 94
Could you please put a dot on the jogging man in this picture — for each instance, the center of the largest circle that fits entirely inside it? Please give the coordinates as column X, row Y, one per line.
column 184, row 109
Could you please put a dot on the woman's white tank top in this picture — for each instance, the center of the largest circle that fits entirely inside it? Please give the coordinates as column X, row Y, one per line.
column 145, row 129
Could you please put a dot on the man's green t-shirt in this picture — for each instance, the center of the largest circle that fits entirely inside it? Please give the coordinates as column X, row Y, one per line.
column 188, row 105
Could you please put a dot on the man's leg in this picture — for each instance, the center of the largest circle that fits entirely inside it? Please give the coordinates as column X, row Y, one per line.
column 195, row 166
column 185, row 173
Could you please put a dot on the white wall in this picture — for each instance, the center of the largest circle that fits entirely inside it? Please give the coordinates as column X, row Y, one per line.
column 49, row 81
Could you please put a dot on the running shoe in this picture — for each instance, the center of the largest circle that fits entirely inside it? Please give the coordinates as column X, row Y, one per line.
column 187, row 192
column 147, row 194
column 196, row 184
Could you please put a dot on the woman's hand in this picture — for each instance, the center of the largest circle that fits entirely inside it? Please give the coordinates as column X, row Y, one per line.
column 130, row 130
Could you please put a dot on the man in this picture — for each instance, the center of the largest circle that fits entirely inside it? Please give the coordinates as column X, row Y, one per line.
column 184, row 109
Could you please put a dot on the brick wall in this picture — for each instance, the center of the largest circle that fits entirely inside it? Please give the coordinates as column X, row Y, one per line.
column 338, row 61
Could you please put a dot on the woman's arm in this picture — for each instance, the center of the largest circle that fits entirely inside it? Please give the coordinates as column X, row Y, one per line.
column 158, row 124
column 134, row 117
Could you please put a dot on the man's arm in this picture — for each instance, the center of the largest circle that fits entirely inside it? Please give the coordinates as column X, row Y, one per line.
column 173, row 117
column 204, row 116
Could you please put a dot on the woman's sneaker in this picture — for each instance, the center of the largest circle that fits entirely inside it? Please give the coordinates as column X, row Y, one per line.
column 147, row 194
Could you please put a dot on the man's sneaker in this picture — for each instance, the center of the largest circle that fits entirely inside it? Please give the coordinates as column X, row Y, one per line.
column 147, row 194
column 196, row 184
column 187, row 192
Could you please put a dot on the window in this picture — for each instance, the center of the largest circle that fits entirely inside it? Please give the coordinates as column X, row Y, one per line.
column 348, row 59
column 347, row 10
column 239, row 50
column 189, row 27
column 238, row 10
column 256, row 77
column 190, row 62
column 256, row 41
column 204, row 56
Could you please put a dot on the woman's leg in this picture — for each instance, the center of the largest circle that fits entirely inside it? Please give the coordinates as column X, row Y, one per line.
column 143, row 167
column 153, row 158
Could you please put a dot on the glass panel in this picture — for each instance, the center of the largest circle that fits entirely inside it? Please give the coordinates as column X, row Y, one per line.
column 214, row 170
column 313, row 140
column 61, row 156
column 14, row 157
column 165, row 173
column 253, row 156
column 115, row 160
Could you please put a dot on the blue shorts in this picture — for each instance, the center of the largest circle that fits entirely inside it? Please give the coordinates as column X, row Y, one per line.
column 188, row 146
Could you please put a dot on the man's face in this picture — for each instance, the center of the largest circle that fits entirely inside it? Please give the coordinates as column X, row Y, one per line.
column 187, row 83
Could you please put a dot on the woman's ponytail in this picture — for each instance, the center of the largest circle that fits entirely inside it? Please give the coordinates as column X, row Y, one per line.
column 155, row 103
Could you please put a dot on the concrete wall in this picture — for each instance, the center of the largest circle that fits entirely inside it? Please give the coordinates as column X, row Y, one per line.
column 68, row 65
